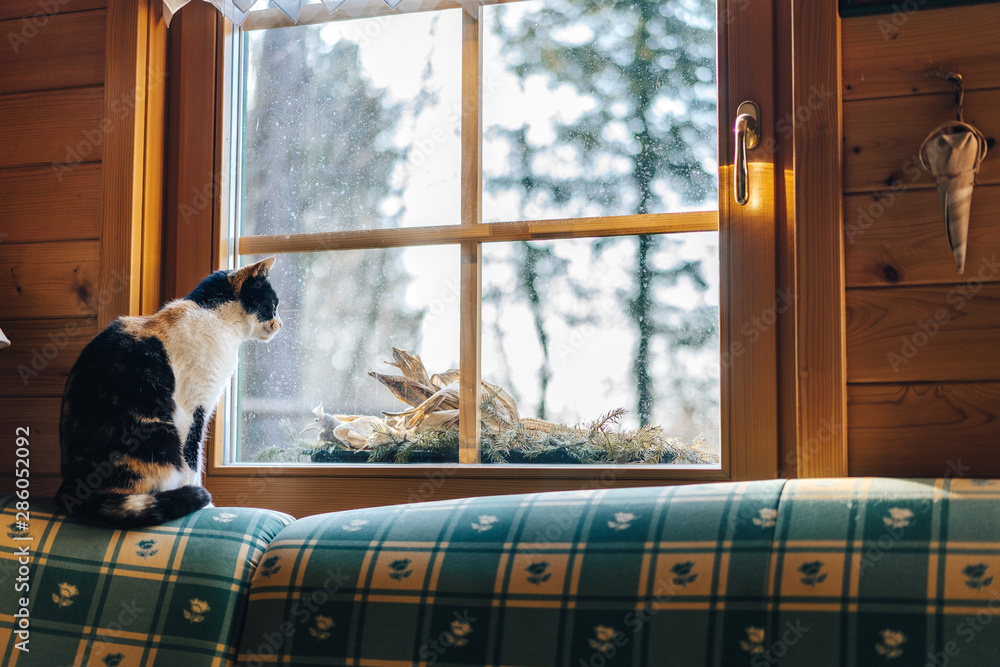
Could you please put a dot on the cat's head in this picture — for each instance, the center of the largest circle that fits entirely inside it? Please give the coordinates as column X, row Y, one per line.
column 245, row 296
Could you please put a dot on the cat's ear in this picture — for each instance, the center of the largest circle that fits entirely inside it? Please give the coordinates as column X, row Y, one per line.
column 239, row 276
column 261, row 268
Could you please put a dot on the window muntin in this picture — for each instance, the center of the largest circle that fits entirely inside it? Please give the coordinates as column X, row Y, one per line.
column 529, row 203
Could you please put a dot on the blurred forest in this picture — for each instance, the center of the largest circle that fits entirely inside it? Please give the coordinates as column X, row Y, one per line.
column 323, row 148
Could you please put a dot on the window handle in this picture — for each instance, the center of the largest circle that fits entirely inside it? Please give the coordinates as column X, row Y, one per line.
column 747, row 136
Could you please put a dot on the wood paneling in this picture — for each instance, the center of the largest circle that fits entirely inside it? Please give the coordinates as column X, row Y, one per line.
column 883, row 59
column 41, row 354
column 922, row 353
column 42, row 486
column 68, row 51
column 914, row 334
column 59, row 128
column 821, row 433
column 36, row 206
column 900, row 239
column 50, row 280
column 305, row 496
column 188, row 247
column 882, row 137
column 37, row 10
column 41, row 417
column 925, row 430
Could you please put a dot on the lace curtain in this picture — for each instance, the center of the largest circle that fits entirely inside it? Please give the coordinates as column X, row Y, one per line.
column 238, row 10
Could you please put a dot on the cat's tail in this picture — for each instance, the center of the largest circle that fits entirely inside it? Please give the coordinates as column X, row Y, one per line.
column 118, row 510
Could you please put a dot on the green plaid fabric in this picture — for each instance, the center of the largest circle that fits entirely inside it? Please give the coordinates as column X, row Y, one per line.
column 649, row 576
column 171, row 596
column 884, row 572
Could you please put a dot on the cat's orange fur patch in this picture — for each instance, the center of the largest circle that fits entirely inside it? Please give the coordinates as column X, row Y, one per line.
column 153, row 477
column 240, row 276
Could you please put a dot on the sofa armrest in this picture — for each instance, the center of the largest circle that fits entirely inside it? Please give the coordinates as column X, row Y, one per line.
column 172, row 595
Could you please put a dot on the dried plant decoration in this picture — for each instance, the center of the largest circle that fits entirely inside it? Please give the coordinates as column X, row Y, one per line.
column 430, row 427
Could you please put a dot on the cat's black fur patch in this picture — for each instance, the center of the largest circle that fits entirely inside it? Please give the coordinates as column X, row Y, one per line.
column 195, row 435
column 116, row 365
column 258, row 298
column 213, row 291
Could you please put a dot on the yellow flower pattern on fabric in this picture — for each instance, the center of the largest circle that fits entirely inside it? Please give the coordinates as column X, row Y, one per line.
column 66, row 594
column 899, row 517
column 754, row 643
column 602, row 639
column 623, row 521
column 198, row 610
column 321, row 627
column 459, row 635
column 890, row 646
column 485, row 523
column 765, row 518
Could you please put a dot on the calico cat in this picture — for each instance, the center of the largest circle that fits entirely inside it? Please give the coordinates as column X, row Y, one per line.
column 138, row 400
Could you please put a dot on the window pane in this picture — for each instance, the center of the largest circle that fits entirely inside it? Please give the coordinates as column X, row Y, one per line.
column 343, row 314
column 571, row 336
column 340, row 131
column 599, row 109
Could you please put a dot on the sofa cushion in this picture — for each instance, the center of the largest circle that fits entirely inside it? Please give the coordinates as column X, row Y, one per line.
column 171, row 595
column 602, row 576
column 885, row 571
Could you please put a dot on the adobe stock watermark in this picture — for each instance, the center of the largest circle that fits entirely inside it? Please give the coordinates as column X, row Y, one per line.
column 957, row 298
column 757, row 326
column 305, row 611
column 889, row 27
column 28, row 27
column 93, row 138
column 42, row 356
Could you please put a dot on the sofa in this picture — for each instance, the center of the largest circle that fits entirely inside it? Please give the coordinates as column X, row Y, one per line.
column 852, row 571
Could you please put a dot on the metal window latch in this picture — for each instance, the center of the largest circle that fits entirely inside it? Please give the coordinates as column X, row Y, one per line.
column 747, row 136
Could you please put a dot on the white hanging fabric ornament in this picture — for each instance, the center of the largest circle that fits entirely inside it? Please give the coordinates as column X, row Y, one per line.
column 952, row 153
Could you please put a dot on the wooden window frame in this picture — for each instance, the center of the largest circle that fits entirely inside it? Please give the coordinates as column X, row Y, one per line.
column 777, row 403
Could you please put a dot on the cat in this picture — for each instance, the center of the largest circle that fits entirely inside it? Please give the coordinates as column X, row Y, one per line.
column 139, row 399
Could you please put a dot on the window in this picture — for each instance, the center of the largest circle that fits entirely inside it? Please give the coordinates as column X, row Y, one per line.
column 534, row 198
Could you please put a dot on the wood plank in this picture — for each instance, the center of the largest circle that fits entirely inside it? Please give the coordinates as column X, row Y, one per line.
column 41, row 417
column 49, row 280
column 924, row 430
column 41, row 354
column 939, row 333
column 900, row 239
column 191, row 170
column 882, row 138
column 68, row 51
column 654, row 223
column 36, row 206
column 821, row 436
column 153, row 163
column 61, row 128
column 891, row 55
column 36, row 10
column 42, row 486
column 134, row 84
column 470, row 357
column 747, row 237
column 300, row 495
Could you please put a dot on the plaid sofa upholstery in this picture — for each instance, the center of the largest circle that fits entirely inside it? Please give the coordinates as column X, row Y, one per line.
column 613, row 577
column 858, row 571
column 172, row 596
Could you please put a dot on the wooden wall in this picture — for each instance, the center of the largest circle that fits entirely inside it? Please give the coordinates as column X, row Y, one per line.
column 81, row 107
column 923, row 342
column 51, row 167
